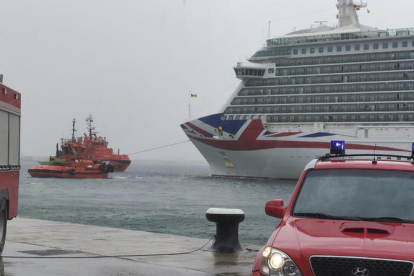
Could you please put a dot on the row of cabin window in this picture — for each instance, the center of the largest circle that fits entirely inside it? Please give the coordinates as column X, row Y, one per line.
column 336, row 108
column 332, row 79
column 330, row 49
column 326, row 99
column 342, row 118
column 333, row 37
column 366, row 87
column 356, row 47
column 346, row 68
column 366, row 57
column 273, row 52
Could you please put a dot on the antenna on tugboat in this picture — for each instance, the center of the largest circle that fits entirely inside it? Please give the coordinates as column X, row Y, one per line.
column 73, row 129
column 89, row 121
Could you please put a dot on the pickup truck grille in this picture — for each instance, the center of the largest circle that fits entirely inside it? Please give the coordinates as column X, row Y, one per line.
column 353, row 266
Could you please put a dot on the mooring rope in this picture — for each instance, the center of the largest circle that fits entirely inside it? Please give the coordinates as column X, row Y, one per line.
column 160, row 147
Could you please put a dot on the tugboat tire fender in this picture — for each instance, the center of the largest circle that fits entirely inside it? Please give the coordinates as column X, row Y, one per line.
column 72, row 171
column 103, row 167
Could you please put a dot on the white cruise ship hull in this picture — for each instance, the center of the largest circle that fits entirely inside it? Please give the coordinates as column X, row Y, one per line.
column 246, row 148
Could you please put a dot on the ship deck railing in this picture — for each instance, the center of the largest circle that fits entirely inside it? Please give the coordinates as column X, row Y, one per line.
column 286, row 41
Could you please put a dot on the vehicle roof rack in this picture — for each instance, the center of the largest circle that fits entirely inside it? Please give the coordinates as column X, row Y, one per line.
column 332, row 156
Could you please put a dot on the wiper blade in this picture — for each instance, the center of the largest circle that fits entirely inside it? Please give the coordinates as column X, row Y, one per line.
column 325, row 216
column 312, row 215
column 387, row 219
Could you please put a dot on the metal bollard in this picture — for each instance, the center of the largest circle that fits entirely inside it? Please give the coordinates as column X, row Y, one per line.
column 227, row 229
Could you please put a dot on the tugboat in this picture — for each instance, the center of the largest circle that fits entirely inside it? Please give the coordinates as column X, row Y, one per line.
column 96, row 148
column 93, row 147
column 71, row 162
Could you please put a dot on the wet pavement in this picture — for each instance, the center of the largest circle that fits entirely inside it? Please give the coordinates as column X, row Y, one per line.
column 57, row 248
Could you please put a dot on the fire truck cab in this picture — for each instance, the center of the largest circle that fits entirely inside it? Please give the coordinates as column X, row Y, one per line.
column 10, row 112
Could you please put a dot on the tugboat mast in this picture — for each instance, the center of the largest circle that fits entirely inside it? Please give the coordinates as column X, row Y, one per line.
column 89, row 121
column 73, row 129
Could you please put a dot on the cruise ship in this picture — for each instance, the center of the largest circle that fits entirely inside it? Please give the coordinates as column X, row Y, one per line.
column 298, row 92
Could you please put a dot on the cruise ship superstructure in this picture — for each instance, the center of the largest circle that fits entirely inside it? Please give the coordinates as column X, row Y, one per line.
column 302, row 90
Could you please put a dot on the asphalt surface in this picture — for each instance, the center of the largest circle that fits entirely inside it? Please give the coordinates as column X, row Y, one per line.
column 39, row 247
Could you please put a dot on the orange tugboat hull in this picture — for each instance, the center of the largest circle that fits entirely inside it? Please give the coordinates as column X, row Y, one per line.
column 66, row 172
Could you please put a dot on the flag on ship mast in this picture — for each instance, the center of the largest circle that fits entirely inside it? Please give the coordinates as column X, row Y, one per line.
column 189, row 104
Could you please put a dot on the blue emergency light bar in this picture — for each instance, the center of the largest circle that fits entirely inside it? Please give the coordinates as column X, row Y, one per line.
column 412, row 151
column 338, row 147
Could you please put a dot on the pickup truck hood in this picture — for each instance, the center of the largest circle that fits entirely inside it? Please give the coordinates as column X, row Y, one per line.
column 302, row 238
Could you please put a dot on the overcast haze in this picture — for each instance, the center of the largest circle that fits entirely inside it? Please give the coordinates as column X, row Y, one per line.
column 132, row 63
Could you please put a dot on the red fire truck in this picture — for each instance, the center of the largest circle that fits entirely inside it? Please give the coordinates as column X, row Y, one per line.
column 10, row 111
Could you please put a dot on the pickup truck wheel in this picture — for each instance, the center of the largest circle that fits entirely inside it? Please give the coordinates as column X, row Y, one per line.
column 3, row 224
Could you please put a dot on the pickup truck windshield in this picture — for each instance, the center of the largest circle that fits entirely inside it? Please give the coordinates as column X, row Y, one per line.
column 373, row 195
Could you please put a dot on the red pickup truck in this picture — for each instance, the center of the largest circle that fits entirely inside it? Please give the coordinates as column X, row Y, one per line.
column 349, row 215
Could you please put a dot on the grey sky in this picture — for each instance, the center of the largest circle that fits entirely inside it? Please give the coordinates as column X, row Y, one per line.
column 132, row 63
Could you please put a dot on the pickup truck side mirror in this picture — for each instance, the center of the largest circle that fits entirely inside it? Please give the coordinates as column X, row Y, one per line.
column 274, row 208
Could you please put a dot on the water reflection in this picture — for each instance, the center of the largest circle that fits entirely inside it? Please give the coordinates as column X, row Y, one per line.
column 2, row 273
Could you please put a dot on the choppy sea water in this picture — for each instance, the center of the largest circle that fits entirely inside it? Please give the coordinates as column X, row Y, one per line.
column 154, row 197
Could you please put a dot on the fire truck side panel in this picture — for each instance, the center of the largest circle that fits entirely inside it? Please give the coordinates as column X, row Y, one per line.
column 10, row 103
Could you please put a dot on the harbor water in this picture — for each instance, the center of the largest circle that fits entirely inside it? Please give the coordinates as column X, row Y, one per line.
column 158, row 197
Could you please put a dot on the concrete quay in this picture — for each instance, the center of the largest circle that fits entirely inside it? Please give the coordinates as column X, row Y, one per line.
column 75, row 249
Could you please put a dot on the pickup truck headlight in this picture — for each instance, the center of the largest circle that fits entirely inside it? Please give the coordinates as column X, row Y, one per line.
column 277, row 263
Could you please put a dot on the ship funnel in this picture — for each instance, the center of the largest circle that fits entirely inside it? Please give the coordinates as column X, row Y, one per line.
column 347, row 14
